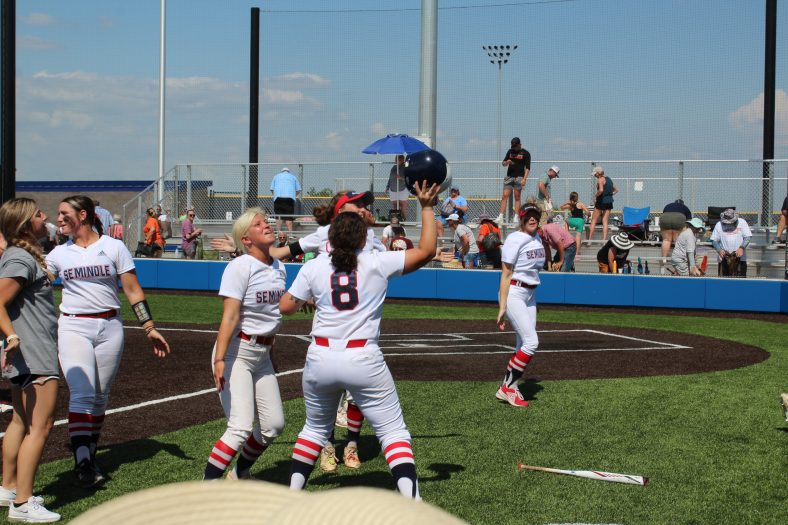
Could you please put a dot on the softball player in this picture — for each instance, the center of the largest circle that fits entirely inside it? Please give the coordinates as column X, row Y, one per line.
column 29, row 357
column 349, row 287
column 252, row 285
column 522, row 255
column 90, row 330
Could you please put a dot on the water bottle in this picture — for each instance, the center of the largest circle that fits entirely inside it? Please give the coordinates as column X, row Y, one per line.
column 177, row 252
column 647, row 272
column 640, row 266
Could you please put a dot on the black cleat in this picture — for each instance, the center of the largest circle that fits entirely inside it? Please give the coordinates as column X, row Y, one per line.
column 87, row 475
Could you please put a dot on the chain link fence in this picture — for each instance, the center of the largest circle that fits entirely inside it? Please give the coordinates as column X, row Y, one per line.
column 219, row 193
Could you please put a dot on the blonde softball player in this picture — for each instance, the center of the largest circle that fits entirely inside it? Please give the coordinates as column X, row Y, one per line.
column 252, row 285
column 90, row 330
column 349, row 286
column 522, row 255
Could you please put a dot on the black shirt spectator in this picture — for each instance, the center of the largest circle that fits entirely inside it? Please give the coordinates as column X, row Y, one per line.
column 678, row 207
column 521, row 161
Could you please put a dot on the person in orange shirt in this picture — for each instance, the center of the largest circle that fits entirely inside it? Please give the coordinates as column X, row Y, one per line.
column 489, row 247
column 152, row 231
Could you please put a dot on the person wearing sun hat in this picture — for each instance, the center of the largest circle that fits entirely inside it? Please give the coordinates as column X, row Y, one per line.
column 731, row 235
column 683, row 257
column 614, row 253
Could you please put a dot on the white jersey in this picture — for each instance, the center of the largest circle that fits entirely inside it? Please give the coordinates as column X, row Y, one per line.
column 259, row 287
column 731, row 239
column 90, row 275
column 317, row 241
column 348, row 305
column 526, row 255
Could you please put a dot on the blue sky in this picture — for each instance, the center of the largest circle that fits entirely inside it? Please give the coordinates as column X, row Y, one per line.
column 591, row 79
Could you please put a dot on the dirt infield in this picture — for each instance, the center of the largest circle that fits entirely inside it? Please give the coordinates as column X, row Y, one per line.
column 415, row 350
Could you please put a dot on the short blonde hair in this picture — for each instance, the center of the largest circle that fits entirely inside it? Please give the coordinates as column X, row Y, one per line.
column 242, row 224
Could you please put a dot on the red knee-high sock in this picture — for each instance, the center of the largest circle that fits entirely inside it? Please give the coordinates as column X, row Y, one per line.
column 354, row 421
column 399, row 456
column 221, row 457
column 249, row 454
column 80, row 432
column 516, row 367
column 305, row 453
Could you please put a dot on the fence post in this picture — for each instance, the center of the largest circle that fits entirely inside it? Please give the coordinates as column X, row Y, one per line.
column 243, row 190
column 139, row 219
column 189, row 186
column 300, row 210
column 681, row 180
column 372, row 177
column 766, row 181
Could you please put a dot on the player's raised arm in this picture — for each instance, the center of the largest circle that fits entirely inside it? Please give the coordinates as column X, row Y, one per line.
column 417, row 257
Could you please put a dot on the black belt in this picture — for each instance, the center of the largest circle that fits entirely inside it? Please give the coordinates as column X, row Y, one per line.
column 98, row 315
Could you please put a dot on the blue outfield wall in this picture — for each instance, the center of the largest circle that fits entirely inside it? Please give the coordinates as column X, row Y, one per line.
column 748, row 295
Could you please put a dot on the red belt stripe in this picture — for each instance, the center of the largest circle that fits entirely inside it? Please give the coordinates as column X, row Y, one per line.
column 515, row 282
column 260, row 340
column 353, row 343
column 98, row 315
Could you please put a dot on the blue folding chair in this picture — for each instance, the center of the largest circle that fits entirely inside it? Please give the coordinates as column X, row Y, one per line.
column 636, row 222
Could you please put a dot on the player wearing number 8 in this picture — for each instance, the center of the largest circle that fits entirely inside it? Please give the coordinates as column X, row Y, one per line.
column 349, row 287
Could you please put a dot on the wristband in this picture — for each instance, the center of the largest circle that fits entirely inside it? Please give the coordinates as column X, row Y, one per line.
column 142, row 311
column 12, row 337
column 295, row 249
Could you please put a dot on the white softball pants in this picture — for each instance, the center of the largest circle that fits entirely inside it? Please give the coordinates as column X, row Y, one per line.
column 250, row 393
column 363, row 372
column 521, row 311
column 89, row 350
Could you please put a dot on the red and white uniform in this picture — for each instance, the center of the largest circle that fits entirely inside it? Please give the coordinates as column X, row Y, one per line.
column 251, row 391
column 344, row 355
column 317, row 241
column 90, row 330
column 525, row 253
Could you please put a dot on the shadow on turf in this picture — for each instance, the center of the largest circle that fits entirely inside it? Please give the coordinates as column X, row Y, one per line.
column 529, row 388
column 65, row 490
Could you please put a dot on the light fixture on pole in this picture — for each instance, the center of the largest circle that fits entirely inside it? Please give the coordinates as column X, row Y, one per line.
column 499, row 55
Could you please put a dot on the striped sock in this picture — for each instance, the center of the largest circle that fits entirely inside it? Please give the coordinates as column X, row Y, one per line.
column 221, row 457
column 305, row 453
column 80, row 431
column 516, row 367
column 399, row 456
column 249, row 454
column 354, row 421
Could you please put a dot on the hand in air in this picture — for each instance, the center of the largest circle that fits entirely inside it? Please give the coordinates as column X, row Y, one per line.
column 223, row 244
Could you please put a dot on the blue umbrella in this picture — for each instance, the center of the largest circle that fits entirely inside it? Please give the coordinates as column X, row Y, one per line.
column 395, row 144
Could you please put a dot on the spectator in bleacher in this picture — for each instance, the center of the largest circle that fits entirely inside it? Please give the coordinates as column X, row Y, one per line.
column 465, row 245
column 164, row 221
column 603, row 201
column 577, row 217
column 104, row 216
column 672, row 221
column 285, row 188
column 393, row 229
column 189, row 236
column 116, row 231
column 556, row 239
column 544, row 189
column 683, row 261
column 152, row 231
column 518, row 165
column 731, row 235
column 489, row 242
column 613, row 255
column 396, row 188
column 454, row 204
column 781, row 225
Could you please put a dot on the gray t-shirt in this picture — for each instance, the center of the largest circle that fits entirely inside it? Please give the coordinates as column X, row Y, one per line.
column 33, row 315
column 464, row 230
column 683, row 256
column 547, row 180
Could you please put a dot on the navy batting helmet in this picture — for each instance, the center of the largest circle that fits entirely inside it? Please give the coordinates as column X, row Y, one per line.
column 427, row 165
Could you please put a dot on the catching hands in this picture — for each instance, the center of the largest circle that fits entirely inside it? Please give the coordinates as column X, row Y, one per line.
column 426, row 195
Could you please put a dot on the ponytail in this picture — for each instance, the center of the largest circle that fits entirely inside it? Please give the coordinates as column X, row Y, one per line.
column 346, row 235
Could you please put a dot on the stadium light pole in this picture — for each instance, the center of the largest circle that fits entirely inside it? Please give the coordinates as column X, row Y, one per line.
column 499, row 55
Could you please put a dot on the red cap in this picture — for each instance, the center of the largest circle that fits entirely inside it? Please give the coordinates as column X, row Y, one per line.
column 365, row 197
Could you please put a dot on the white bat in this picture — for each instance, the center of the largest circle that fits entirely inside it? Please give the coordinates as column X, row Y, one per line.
column 592, row 474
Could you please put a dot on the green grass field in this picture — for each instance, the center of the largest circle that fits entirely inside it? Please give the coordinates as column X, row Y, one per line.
column 714, row 445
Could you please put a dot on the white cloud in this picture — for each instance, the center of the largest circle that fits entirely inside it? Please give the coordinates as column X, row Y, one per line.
column 288, row 97
column 334, row 141
column 38, row 19
column 378, row 129
column 35, row 43
column 302, row 80
column 751, row 114
column 567, row 143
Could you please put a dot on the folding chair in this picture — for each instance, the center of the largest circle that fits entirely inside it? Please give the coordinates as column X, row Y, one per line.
column 636, row 222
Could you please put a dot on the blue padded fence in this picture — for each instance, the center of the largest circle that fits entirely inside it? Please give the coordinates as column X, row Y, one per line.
column 748, row 295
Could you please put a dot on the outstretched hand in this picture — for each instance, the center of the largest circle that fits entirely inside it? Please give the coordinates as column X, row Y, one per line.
column 223, row 244
column 426, row 195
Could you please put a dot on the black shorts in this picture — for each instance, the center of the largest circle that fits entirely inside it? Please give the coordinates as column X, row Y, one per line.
column 284, row 207
column 25, row 380
column 604, row 206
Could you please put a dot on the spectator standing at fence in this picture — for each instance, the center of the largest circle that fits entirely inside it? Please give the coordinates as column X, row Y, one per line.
column 731, row 235
column 518, row 166
column 683, row 259
column 189, row 236
column 285, row 188
column 613, row 255
column 104, row 216
column 577, row 217
column 465, row 246
column 545, row 196
column 603, row 201
column 557, row 240
column 397, row 187
column 489, row 242
column 781, row 225
column 152, row 232
column 30, row 361
column 672, row 221
column 116, row 231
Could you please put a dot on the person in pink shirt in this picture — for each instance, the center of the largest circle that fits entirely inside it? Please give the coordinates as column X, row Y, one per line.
column 556, row 239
